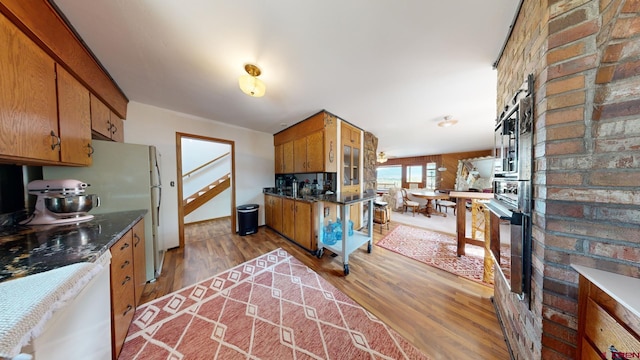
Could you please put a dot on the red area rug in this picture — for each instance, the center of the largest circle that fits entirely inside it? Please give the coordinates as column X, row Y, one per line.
column 271, row 307
column 439, row 250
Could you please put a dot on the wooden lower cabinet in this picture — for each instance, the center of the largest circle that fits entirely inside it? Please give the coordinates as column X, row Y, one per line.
column 127, row 263
column 273, row 212
column 607, row 327
column 291, row 218
column 304, row 234
column 139, row 261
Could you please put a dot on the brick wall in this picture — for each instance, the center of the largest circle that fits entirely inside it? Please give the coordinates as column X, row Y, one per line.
column 585, row 55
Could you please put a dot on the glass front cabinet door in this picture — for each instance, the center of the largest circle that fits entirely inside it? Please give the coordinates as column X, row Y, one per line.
column 350, row 155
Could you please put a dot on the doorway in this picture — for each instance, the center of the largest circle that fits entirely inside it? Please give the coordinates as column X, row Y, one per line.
column 205, row 179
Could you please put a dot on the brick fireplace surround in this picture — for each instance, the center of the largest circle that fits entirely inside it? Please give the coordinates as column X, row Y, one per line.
column 585, row 55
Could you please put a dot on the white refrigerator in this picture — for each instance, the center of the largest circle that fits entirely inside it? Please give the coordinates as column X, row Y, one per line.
column 125, row 177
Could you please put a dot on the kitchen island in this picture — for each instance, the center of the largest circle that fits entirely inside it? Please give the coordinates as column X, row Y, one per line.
column 55, row 287
column 348, row 242
column 314, row 226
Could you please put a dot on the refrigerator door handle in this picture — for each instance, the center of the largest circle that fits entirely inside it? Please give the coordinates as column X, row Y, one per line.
column 159, row 202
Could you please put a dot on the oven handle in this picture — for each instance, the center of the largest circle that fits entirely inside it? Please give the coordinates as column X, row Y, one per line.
column 500, row 210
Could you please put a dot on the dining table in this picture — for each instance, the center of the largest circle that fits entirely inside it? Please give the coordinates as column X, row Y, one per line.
column 461, row 229
column 461, row 218
column 431, row 197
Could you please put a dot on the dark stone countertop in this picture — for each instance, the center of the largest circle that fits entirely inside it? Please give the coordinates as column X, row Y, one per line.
column 341, row 199
column 27, row 250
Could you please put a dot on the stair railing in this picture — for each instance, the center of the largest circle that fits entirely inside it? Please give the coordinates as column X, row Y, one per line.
column 205, row 165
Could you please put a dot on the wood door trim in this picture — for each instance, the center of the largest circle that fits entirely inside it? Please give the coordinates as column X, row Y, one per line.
column 179, row 136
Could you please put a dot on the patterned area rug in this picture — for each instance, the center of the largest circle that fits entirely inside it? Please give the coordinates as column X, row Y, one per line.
column 439, row 250
column 272, row 307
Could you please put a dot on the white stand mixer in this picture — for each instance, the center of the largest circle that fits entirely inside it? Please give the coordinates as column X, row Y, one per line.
column 60, row 202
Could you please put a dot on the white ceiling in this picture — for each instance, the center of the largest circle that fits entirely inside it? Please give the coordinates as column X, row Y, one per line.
column 394, row 68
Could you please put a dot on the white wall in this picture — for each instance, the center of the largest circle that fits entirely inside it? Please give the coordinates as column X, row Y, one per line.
column 151, row 125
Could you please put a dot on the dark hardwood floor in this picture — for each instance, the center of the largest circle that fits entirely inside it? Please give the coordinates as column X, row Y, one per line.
column 445, row 316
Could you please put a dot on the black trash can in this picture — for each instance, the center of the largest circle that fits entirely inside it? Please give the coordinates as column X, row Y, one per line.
column 248, row 219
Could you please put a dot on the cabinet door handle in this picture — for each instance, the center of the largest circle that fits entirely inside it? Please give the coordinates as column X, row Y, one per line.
column 109, row 125
column 91, row 150
column 56, row 140
column 126, row 279
column 137, row 239
column 129, row 308
column 114, row 129
column 124, row 246
column 124, row 265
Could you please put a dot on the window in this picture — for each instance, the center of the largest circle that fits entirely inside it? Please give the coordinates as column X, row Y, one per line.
column 431, row 176
column 414, row 174
column 389, row 176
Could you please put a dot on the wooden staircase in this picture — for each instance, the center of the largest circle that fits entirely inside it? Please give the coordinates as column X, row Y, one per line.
column 206, row 193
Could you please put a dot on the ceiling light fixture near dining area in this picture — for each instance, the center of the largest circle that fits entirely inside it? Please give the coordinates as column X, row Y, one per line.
column 448, row 121
column 250, row 84
column 382, row 157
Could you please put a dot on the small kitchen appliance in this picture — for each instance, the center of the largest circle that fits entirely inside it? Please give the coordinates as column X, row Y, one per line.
column 60, row 202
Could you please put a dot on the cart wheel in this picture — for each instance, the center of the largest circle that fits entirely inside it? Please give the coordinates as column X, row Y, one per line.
column 369, row 248
column 319, row 253
column 346, row 269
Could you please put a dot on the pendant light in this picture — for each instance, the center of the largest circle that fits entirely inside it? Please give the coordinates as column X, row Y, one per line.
column 447, row 122
column 382, row 157
column 250, row 84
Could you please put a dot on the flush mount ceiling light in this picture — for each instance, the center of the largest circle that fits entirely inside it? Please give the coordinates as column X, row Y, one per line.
column 447, row 122
column 250, row 84
column 382, row 157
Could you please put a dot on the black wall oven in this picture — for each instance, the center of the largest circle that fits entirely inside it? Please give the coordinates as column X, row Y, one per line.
column 512, row 204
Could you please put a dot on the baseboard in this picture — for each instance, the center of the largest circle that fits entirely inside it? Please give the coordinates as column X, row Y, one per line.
column 207, row 220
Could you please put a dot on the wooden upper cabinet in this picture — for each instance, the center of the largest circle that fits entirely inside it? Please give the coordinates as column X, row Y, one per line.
column 309, row 146
column 117, row 128
column 100, row 118
column 284, row 158
column 351, row 157
column 315, row 155
column 278, row 157
column 28, row 109
column 106, row 124
column 308, row 153
column 75, row 119
column 287, row 157
column 300, row 155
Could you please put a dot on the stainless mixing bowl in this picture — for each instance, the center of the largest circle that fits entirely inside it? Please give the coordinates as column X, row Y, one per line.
column 71, row 204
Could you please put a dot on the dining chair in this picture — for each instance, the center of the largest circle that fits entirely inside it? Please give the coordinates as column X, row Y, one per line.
column 406, row 203
column 446, row 203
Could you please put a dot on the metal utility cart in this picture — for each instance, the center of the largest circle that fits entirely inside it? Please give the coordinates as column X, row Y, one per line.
column 347, row 244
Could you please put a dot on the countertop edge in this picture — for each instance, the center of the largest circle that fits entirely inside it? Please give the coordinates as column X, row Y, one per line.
column 333, row 198
column 623, row 289
column 26, row 251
